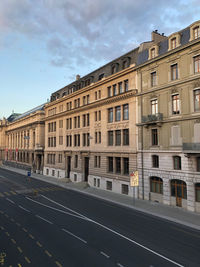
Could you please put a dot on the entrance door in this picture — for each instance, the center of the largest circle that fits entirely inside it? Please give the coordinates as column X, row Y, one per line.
column 68, row 166
column 86, row 171
column 178, row 195
column 178, row 190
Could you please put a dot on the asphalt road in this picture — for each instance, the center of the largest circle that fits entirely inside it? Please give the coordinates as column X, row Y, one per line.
column 45, row 225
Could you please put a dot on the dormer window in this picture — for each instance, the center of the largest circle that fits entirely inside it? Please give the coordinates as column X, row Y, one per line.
column 114, row 68
column 173, row 43
column 153, row 52
column 101, row 76
column 196, row 32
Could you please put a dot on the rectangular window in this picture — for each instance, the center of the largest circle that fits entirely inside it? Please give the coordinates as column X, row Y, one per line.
column 153, row 79
column 174, row 72
column 125, row 112
column 197, row 100
column 76, row 161
column 154, row 136
column 197, row 64
column 126, row 166
column 59, row 158
column 125, row 189
column 95, row 137
column 109, row 185
column 177, row 162
column 155, row 161
column 196, row 32
column 126, row 86
column 109, row 91
column 96, row 95
column 95, row 161
column 110, row 115
column 95, row 116
column 118, row 137
column 84, row 120
column 154, row 106
column 118, row 164
column 120, row 88
column 175, row 104
column 110, row 164
column 125, row 137
column 173, row 43
column 114, row 89
column 99, row 94
column 110, row 138
column 153, row 52
column 117, row 113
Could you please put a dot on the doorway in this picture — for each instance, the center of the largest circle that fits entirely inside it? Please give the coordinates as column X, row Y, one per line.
column 86, row 169
column 178, row 190
column 68, row 166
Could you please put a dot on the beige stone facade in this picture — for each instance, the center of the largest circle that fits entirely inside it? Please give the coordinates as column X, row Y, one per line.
column 169, row 121
column 23, row 140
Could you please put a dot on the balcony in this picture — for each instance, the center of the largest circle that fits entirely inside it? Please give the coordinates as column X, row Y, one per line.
column 191, row 148
column 152, row 118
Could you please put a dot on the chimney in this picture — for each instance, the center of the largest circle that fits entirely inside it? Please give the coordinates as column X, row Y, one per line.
column 157, row 37
column 78, row 77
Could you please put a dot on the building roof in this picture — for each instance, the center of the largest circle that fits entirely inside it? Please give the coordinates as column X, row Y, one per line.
column 20, row 116
column 13, row 116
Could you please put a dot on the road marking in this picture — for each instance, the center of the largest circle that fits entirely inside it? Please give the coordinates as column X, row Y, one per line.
column 7, row 234
column 120, row 265
column 19, row 265
column 43, row 219
column 2, row 228
column 13, row 240
column 58, row 264
column 38, row 243
column 24, row 229
column 23, row 208
column 31, row 236
column 104, row 254
column 13, row 192
column 12, row 220
column 118, row 234
column 75, row 236
column 1, row 195
column 10, row 200
column 27, row 259
column 20, row 250
column 18, row 224
column 49, row 254
column 7, row 193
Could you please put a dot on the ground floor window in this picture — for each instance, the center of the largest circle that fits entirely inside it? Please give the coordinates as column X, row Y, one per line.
column 178, row 189
column 197, row 192
column 108, row 185
column 125, row 189
column 156, row 185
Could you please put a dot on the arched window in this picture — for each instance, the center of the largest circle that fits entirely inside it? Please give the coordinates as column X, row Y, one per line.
column 178, row 189
column 156, row 185
column 197, row 192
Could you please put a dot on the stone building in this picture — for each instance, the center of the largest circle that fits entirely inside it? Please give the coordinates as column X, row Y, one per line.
column 169, row 120
column 22, row 140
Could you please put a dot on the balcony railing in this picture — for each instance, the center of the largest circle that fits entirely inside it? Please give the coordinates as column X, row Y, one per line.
column 191, row 147
column 152, row 118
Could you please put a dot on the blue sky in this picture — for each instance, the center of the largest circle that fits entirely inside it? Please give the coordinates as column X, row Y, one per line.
column 45, row 43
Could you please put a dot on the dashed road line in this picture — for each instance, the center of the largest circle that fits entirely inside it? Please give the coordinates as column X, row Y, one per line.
column 7, row 193
column 38, row 243
column 7, row 234
column 47, row 252
column 23, row 208
column 18, row 224
column 19, row 265
column 13, row 192
column 43, row 219
column 24, row 229
column 20, row 250
column 12, row 220
column 2, row 228
column 58, row 264
column 10, row 200
column 74, row 236
column 13, row 240
column 27, row 259
column 104, row 254
column 31, row 236
column 120, row 265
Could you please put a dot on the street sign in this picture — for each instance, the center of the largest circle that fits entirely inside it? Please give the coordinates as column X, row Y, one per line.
column 134, row 179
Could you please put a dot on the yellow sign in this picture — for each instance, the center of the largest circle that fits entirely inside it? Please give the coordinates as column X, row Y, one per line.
column 134, row 179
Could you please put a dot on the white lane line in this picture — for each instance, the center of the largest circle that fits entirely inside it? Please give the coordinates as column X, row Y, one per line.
column 43, row 219
column 74, row 236
column 10, row 200
column 120, row 265
column 105, row 255
column 23, row 208
column 118, row 234
column 62, row 211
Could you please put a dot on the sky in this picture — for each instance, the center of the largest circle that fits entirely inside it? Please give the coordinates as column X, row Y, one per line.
column 44, row 44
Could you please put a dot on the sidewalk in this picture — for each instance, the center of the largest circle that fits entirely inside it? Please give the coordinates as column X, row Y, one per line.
column 170, row 213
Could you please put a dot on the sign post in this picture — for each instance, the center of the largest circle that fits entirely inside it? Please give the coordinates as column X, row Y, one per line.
column 134, row 181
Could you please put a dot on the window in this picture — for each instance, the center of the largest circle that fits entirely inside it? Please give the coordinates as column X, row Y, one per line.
column 101, row 76
column 108, row 185
column 154, row 136
column 197, row 64
column 110, row 115
column 173, row 43
column 125, row 189
column 174, row 72
column 197, row 192
column 153, row 79
column 59, row 158
column 155, row 161
column 118, row 137
column 69, row 123
column 114, row 89
column 95, row 95
column 125, row 85
column 110, row 138
column 125, row 112
column 175, row 104
column 177, row 162
column 154, row 106
column 118, row 165
column 156, row 185
column 109, row 91
column 68, row 140
column 196, row 32
column 113, row 69
column 117, row 113
column 97, row 161
column 126, row 166
column 153, row 52
column 84, row 120
column 110, row 164
column 76, row 161
column 197, row 100
column 120, row 88
column 198, row 164
column 178, row 188
column 125, row 137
